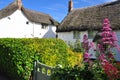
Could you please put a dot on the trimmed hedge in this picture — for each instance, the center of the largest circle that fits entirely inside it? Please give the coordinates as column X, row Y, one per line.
column 18, row 55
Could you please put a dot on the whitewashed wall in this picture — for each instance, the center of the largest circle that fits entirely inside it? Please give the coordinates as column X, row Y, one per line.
column 68, row 36
column 49, row 32
column 117, row 52
column 14, row 26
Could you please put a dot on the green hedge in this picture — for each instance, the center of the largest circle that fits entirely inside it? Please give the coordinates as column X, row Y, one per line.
column 78, row 73
column 17, row 55
column 69, row 73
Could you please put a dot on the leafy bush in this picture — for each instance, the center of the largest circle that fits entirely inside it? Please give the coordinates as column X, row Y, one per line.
column 17, row 55
column 79, row 73
column 72, row 73
column 74, row 58
column 76, row 46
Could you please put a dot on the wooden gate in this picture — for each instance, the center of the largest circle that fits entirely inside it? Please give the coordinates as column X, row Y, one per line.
column 41, row 71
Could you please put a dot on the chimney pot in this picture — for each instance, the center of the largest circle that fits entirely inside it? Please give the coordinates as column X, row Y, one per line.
column 19, row 2
column 70, row 6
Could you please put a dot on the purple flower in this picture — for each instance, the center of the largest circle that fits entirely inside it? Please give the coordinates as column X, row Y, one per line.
column 106, row 20
column 114, row 37
column 100, row 47
column 108, row 36
column 87, row 57
column 85, row 38
column 92, row 44
column 102, row 57
column 85, row 43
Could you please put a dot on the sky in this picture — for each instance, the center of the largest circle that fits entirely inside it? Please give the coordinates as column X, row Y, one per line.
column 57, row 9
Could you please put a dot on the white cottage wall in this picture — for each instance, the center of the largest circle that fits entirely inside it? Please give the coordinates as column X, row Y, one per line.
column 14, row 26
column 117, row 52
column 51, row 32
column 39, row 32
column 68, row 36
column 18, row 26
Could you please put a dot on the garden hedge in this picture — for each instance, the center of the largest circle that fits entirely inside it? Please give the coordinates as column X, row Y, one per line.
column 18, row 55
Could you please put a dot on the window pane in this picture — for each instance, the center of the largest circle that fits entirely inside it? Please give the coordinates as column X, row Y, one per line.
column 76, row 35
column 44, row 26
column 91, row 34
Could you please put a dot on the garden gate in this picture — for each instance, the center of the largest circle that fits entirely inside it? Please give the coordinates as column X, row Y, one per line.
column 41, row 71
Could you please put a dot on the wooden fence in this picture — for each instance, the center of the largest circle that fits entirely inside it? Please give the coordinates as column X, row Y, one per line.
column 41, row 71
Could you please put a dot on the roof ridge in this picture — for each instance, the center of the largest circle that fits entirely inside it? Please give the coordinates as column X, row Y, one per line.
column 98, row 5
column 8, row 10
column 91, row 17
column 31, row 15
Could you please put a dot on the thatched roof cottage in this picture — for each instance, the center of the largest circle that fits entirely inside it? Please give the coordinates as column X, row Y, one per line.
column 18, row 22
column 88, row 21
column 91, row 18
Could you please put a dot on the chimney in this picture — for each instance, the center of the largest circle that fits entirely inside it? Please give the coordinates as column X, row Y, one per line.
column 70, row 6
column 19, row 2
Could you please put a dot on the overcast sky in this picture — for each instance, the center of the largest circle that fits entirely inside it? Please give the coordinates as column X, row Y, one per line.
column 56, row 8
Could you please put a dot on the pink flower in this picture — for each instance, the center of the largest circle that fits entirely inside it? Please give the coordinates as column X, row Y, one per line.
column 87, row 57
column 85, row 43
column 102, row 57
column 108, row 36
column 114, row 37
column 85, row 38
column 106, row 20
column 92, row 44
column 110, row 70
column 108, row 42
column 100, row 47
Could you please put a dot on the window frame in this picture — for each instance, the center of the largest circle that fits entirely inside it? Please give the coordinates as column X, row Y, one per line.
column 44, row 26
column 91, row 34
column 76, row 35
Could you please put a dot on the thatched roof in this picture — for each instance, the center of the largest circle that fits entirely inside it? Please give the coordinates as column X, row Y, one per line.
column 91, row 18
column 31, row 15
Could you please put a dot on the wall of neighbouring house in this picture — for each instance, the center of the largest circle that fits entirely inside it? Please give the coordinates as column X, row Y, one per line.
column 68, row 36
column 18, row 26
column 117, row 52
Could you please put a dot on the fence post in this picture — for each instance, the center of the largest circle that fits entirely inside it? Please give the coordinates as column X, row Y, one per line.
column 41, row 71
column 35, row 70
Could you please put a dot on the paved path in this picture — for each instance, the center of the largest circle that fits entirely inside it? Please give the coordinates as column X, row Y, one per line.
column 3, row 78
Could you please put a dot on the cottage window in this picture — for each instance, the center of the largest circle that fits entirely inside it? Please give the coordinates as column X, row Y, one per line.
column 9, row 18
column 91, row 34
column 27, row 22
column 76, row 35
column 44, row 26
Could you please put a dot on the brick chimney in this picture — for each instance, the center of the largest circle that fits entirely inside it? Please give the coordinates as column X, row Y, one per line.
column 70, row 6
column 19, row 2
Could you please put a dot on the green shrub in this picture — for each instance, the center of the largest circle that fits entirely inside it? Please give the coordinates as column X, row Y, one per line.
column 72, row 73
column 74, row 58
column 76, row 46
column 17, row 55
column 78, row 73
